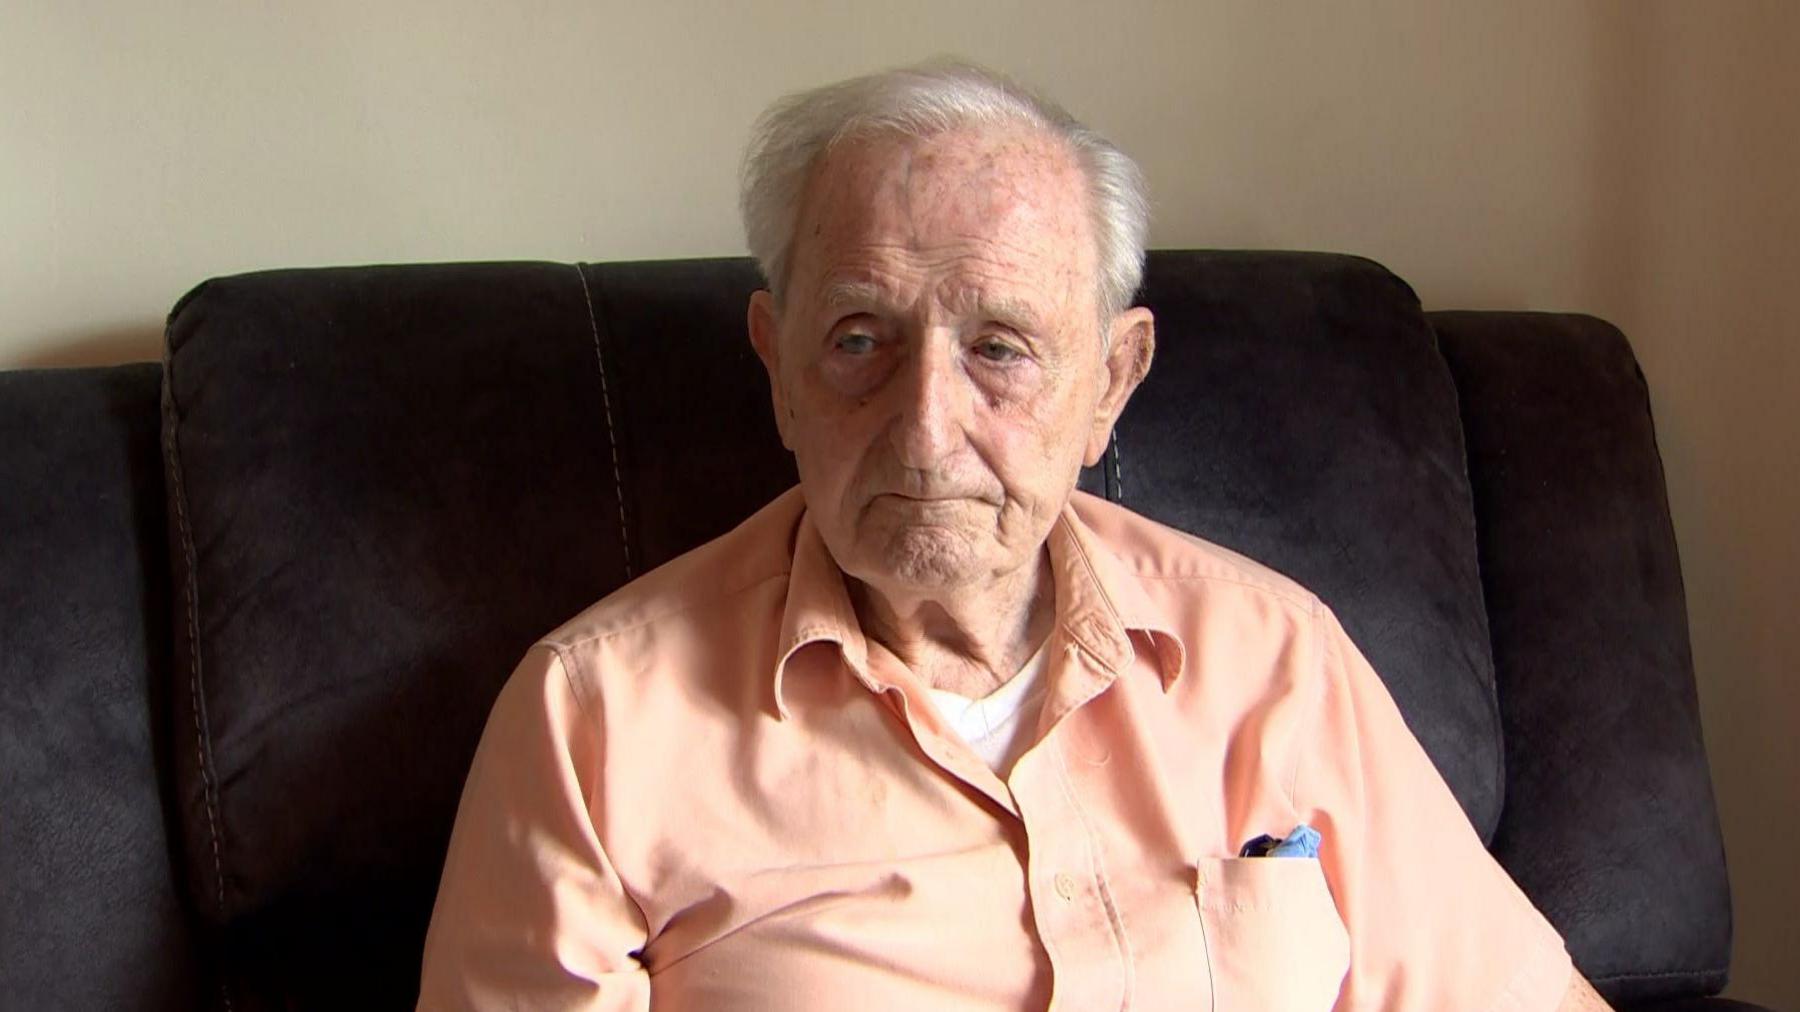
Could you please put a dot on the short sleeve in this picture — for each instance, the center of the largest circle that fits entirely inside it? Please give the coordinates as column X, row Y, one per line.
column 1434, row 921
column 530, row 913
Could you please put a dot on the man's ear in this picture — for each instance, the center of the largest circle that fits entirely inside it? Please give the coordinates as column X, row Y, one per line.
column 765, row 337
column 1127, row 362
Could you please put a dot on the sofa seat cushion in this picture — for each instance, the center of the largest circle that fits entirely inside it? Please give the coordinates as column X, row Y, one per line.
column 90, row 914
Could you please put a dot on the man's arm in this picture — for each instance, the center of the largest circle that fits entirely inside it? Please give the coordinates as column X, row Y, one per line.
column 1434, row 921
column 1581, row 997
column 530, row 912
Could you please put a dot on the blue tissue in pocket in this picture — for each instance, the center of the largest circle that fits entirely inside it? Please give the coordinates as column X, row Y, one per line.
column 1302, row 842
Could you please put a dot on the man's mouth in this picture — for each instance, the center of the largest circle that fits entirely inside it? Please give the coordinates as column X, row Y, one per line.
column 929, row 503
column 935, row 495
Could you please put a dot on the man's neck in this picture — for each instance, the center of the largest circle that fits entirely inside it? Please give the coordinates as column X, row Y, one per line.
column 966, row 640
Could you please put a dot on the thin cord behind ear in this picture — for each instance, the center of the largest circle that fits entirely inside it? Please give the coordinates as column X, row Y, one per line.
column 1114, row 477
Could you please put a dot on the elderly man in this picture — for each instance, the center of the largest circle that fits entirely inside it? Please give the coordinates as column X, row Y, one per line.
column 934, row 731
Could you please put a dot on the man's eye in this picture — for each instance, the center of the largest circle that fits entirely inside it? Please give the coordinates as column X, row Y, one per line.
column 855, row 344
column 997, row 351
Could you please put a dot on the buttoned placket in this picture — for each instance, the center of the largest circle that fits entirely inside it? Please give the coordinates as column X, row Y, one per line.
column 1073, row 910
column 1066, row 872
column 1071, row 897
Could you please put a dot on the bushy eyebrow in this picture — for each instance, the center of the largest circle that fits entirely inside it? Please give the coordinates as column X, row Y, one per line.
column 1009, row 311
column 856, row 294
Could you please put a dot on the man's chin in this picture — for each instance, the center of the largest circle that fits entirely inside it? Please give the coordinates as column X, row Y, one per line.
column 925, row 558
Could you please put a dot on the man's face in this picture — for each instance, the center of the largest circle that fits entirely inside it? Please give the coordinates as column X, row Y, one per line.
column 937, row 360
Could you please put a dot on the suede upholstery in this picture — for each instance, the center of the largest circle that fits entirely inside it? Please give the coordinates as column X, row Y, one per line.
column 1299, row 413
column 1698, row 1005
column 383, row 483
column 388, row 482
column 1609, row 813
column 90, row 914
column 691, row 416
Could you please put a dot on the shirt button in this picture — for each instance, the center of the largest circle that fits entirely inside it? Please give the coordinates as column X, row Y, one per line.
column 1065, row 886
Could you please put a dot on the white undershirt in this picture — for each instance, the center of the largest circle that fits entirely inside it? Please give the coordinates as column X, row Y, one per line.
column 999, row 725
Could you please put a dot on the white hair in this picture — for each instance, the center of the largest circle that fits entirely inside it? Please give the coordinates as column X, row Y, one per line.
column 923, row 101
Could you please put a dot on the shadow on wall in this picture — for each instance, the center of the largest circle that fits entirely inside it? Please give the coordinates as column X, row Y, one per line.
column 1628, row 109
column 1690, row 245
column 108, row 346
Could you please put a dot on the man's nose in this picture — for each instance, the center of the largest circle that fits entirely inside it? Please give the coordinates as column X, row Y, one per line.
column 933, row 404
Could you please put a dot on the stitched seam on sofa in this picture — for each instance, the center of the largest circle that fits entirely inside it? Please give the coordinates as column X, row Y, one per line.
column 190, row 594
column 612, row 442
column 1118, row 476
column 1661, row 975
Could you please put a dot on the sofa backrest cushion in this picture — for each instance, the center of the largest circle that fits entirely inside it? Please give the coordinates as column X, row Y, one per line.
column 1609, row 823
column 90, row 914
column 388, row 481
column 1298, row 412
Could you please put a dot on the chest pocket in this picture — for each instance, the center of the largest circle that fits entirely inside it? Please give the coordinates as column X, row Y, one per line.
column 1273, row 936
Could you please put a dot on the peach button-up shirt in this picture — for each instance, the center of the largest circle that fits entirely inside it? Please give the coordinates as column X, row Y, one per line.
column 710, row 791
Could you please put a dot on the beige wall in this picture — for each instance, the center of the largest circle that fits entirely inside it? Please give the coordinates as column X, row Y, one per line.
column 1636, row 160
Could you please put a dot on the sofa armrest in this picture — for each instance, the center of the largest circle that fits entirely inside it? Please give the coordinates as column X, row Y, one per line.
column 1609, row 823
column 90, row 913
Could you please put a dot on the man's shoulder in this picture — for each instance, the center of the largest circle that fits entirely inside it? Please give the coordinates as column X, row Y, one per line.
column 1162, row 556
column 700, row 582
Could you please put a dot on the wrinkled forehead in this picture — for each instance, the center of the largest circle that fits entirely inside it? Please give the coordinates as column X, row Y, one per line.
column 1010, row 199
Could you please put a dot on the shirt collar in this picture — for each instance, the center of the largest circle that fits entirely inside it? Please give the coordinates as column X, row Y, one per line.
column 1101, row 606
column 1101, row 603
column 817, row 610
